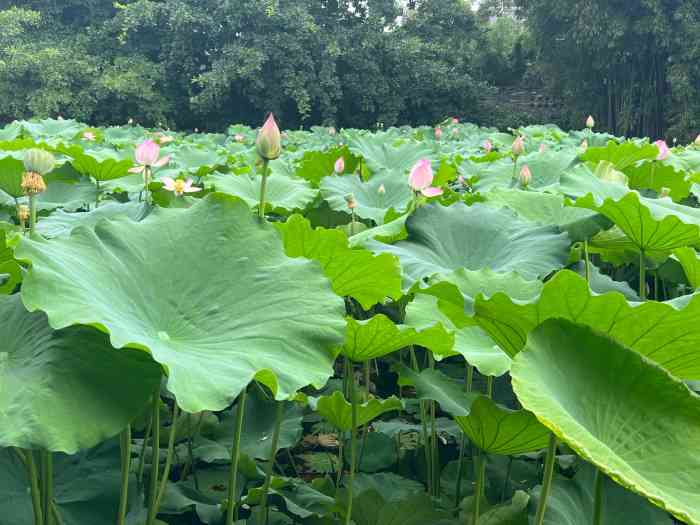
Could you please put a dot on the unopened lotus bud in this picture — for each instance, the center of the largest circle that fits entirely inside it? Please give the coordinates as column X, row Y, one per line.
column 38, row 161
column 455, row 132
column 381, row 190
column 196, row 130
column 332, row 131
column 269, row 141
column 339, row 166
column 518, row 147
column 23, row 214
column 525, row 176
column 438, row 133
column 584, row 144
column 462, row 180
column 130, row 121
column 33, row 183
column 697, row 140
column 665, row 192
column 543, row 147
column 488, row 146
column 238, row 137
column 351, row 202
column 590, row 122
column 455, row 120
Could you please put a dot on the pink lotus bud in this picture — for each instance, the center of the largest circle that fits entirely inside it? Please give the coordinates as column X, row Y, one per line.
column 351, row 202
column 147, row 153
column 455, row 120
column 339, row 166
column 525, row 176
column 590, row 122
column 518, row 147
column 381, row 190
column 89, row 135
column 421, row 178
column 238, row 137
column 664, row 152
column 665, row 192
column 332, row 131
column 461, row 180
column 269, row 141
column 543, row 147
column 488, row 146
column 584, row 144
column 438, row 133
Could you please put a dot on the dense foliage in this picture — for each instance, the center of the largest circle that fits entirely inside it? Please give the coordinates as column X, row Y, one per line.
column 414, row 326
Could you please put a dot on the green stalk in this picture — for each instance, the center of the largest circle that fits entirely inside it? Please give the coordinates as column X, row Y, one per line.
column 155, row 459
column 232, row 508
column 424, row 428
column 365, row 428
column 479, row 488
column 587, row 260
column 263, row 187
column 55, row 514
column 642, row 277
column 598, row 485
column 547, row 480
column 434, row 450
column 509, row 470
column 168, row 457
column 97, row 193
column 463, row 443
column 28, row 458
column 271, row 463
column 47, row 486
column 353, row 449
column 125, row 442
column 139, row 470
column 32, row 212
column 340, row 461
column 146, row 182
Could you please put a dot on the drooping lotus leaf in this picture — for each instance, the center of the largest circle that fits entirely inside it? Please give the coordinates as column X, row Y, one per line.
column 61, row 223
column 471, row 342
column 616, row 409
column 391, row 231
column 570, row 502
column 353, row 272
column 656, row 176
column 259, row 424
column 282, row 193
column 442, row 239
column 601, row 283
column 216, row 315
column 371, row 508
column 549, row 209
column 371, row 202
column 436, row 386
column 513, row 512
column 690, row 262
column 614, row 247
column 653, row 225
column 11, row 169
column 667, row 333
column 66, row 390
column 338, row 412
column 621, row 155
column 499, row 430
column 379, row 336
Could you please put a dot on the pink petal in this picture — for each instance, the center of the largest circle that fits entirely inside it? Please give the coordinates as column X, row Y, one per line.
column 168, row 183
column 192, row 189
column 147, row 153
column 663, row 149
column 431, row 191
column 421, row 175
column 161, row 162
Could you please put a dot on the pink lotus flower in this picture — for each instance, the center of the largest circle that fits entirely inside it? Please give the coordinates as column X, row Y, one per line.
column 438, row 133
column 339, row 166
column 238, row 137
column 455, row 120
column 664, row 152
column 525, row 176
column 179, row 186
column 518, row 147
column 543, row 147
column 89, row 135
column 488, row 146
column 590, row 122
column 421, row 178
column 146, row 156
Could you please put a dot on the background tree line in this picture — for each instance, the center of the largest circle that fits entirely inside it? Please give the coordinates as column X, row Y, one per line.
column 635, row 64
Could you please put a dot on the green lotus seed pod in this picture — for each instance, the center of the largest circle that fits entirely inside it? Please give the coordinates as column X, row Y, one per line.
column 38, row 161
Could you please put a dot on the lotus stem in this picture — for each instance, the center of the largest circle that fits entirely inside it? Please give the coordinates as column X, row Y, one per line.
column 550, row 460
column 97, row 193
column 232, row 509
column 125, row 442
column 587, row 260
column 365, row 428
column 32, row 212
column 598, row 485
column 271, row 463
column 146, row 182
column 168, row 456
column 424, row 428
column 509, row 470
column 55, row 514
column 47, row 486
column 434, row 450
column 463, row 443
column 353, row 447
column 155, row 459
column 480, row 458
column 263, row 187
column 139, row 470
column 642, row 277
column 27, row 456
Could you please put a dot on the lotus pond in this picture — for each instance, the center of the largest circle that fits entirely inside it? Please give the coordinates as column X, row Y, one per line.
column 412, row 326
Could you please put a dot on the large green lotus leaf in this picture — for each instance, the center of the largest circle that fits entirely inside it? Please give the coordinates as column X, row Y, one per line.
column 315, row 165
column 57, row 129
column 370, row 508
column 621, row 155
column 86, row 487
column 668, row 333
column 490, row 175
column 513, row 512
column 614, row 247
column 230, row 307
column 256, row 438
column 371, row 203
column 601, row 283
column 10, row 131
column 436, row 386
column 11, row 272
column 196, row 160
column 379, row 336
column 616, row 409
column 380, row 154
column 11, row 169
column 442, row 239
column 571, row 503
column 66, row 390
column 651, row 224
column 391, row 231
column 297, row 498
column 471, row 342
column 499, row 430
column 282, row 193
column 69, row 195
column 549, row 209
column 338, row 412
column 353, row 272
column 547, row 167
column 61, row 223
column 656, row 176
column 101, row 164
column 690, row 262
